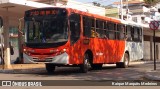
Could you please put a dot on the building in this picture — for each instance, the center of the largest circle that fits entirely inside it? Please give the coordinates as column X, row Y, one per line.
column 112, row 12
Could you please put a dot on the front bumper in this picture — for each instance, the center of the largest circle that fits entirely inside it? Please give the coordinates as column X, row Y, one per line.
column 59, row 59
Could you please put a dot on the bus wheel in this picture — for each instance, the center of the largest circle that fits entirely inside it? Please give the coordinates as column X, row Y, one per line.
column 96, row 66
column 50, row 68
column 125, row 63
column 86, row 64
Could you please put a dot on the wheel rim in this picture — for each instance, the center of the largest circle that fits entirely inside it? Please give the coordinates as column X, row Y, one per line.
column 86, row 62
column 126, row 60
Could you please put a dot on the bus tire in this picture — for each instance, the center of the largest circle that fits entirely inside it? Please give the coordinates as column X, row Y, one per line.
column 96, row 66
column 125, row 62
column 86, row 64
column 50, row 68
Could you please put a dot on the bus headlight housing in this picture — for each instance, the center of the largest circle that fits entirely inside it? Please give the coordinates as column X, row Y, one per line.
column 61, row 52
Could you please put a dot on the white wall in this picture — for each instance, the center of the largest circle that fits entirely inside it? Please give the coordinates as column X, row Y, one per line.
column 83, row 7
column 147, row 52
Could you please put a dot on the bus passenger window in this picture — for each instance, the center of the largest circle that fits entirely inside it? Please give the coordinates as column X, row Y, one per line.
column 104, row 34
column 120, row 34
column 135, row 34
column 123, row 35
column 129, row 33
column 74, row 28
column 99, row 28
column 140, row 34
column 94, row 33
column 87, row 22
column 111, row 31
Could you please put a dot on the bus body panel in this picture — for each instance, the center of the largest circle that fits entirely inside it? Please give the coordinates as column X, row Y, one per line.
column 104, row 50
column 76, row 53
column 135, row 50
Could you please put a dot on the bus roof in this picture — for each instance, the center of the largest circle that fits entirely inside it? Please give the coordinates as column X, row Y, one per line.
column 130, row 23
column 70, row 10
column 94, row 15
column 115, row 20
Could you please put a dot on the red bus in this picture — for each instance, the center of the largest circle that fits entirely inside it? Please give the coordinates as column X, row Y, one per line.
column 68, row 37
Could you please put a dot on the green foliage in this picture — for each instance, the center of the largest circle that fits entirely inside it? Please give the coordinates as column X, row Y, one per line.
column 151, row 2
column 96, row 4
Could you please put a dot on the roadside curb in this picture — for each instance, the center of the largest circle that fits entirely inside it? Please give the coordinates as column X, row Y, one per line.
column 139, row 62
column 23, row 68
column 21, row 71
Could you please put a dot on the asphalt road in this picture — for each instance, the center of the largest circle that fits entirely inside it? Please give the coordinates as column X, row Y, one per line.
column 109, row 72
column 134, row 72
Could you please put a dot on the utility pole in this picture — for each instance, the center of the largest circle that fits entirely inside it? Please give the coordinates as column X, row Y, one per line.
column 121, row 8
column 127, row 12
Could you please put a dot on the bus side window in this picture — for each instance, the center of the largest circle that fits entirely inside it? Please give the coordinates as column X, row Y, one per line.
column 119, row 33
column 87, row 22
column 99, row 28
column 140, row 34
column 128, row 31
column 93, row 30
column 74, row 28
column 104, row 33
column 122, row 32
column 111, row 30
column 136, row 34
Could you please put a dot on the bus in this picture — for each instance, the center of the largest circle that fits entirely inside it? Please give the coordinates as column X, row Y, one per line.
column 68, row 37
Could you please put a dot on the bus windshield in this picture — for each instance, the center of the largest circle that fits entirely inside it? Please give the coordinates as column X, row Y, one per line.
column 46, row 29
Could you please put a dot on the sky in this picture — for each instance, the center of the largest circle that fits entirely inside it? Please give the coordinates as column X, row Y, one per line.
column 102, row 2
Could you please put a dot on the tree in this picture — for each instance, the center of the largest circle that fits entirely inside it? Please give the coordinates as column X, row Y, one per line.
column 96, row 4
column 151, row 2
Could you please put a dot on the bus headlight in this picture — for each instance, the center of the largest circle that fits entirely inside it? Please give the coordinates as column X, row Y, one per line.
column 61, row 52
column 64, row 50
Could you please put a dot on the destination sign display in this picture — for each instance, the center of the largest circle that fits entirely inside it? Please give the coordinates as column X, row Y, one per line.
column 43, row 12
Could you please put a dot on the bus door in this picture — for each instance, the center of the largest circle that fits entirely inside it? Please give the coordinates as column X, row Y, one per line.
column 112, row 44
column 75, row 43
column 120, row 42
column 136, row 43
column 99, row 41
